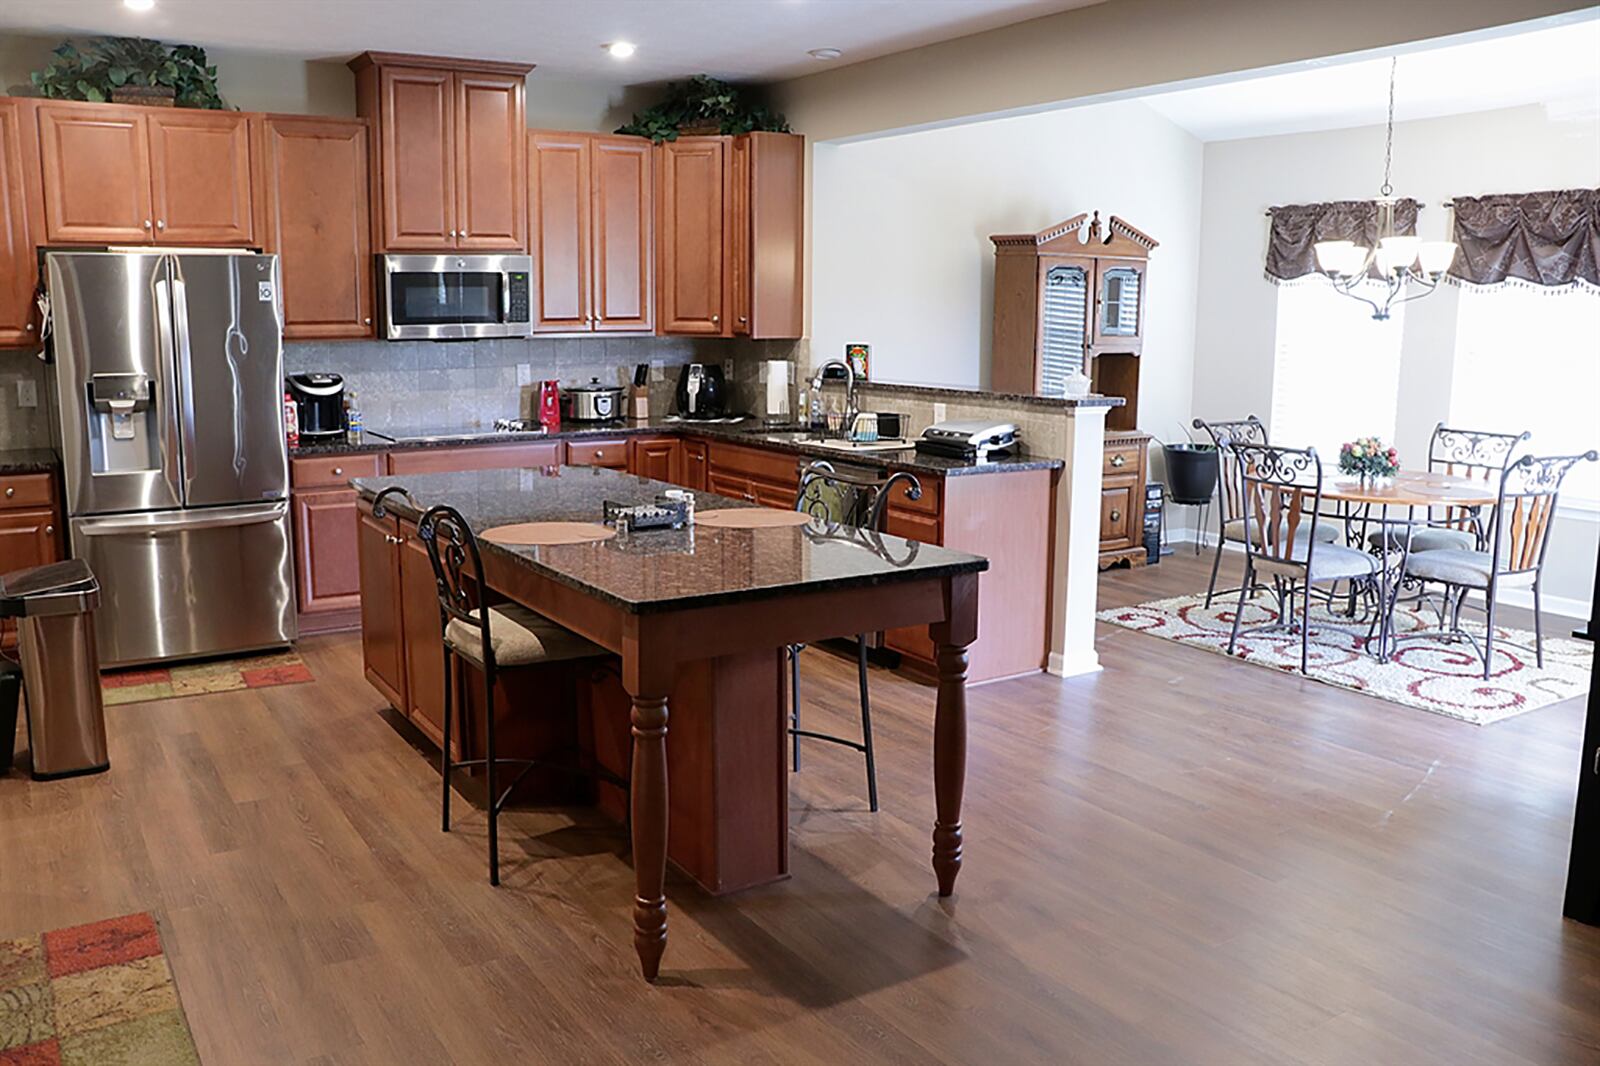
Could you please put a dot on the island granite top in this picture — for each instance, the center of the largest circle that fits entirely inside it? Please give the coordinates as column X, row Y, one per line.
column 656, row 571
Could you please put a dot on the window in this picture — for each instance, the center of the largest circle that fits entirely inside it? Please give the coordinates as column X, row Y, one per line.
column 1528, row 359
column 1336, row 371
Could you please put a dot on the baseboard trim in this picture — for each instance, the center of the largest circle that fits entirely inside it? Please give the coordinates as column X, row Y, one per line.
column 1076, row 666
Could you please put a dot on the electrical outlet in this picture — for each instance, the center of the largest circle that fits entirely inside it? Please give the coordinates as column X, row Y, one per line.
column 524, row 375
column 27, row 394
column 938, row 413
column 727, row 369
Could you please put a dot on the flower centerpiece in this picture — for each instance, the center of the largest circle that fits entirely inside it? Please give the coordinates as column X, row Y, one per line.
column 1369, row 459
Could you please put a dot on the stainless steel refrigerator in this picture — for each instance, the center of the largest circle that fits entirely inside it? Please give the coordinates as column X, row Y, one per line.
column 168, row 387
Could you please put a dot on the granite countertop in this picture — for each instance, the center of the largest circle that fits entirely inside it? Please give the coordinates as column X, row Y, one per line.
column 749, row 433
column 666, row 570
column 28, row 460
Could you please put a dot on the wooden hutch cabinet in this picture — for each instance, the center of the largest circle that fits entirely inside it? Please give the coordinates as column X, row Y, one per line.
column 449, row 151
column 1069, row 299
column 730, row 238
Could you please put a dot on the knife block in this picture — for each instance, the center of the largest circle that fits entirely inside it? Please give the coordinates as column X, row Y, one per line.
column 639, row 402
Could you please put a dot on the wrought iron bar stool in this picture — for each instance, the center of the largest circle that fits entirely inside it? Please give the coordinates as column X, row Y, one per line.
column 1518, row 535
column 851, row 500
column 499, row 637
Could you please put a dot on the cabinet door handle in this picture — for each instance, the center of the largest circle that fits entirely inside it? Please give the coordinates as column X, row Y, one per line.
column 1116, row 516
column 715, row 319
column 147, row 223
column 49, row 530
column 743, row 318
column 161, row 223
column 1118, row 460
column 366, row 321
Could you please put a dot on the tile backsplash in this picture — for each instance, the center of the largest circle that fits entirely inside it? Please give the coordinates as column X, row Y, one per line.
column 23, row 427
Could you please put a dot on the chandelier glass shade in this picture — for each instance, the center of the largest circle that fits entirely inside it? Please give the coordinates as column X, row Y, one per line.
column 1400, row 267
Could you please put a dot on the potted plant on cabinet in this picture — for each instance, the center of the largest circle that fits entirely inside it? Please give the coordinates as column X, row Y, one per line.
column 703, row 105
column 130, row 70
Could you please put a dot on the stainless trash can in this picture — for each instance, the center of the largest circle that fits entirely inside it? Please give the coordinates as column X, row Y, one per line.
column 54, row 607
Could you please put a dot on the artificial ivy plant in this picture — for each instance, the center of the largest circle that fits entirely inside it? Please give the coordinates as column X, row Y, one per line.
column 95, row 68
column 703, row 103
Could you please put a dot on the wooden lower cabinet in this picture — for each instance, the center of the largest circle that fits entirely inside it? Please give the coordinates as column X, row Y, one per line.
column 31, row 530
column 611, row 453
column 1122, row 477
column 326, row 572
column 769, row 478
column 378, row 544
column 482, row 457
column 696, row 464
column 422, row 636
column 657, row 458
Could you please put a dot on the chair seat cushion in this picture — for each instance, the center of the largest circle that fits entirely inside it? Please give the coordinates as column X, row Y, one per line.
column 518, row 637
column 1456, row 567
column 1327, row 529
column 1428, row 539
column 1329, row 562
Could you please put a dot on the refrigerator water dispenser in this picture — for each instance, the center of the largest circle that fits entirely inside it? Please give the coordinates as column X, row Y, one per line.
column 123, row 433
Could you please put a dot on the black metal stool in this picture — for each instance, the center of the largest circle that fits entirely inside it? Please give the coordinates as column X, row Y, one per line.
column 503, row 636
column 844, row 499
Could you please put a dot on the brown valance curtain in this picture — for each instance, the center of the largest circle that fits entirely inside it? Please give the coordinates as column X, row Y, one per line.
column 1297, row 228
column 1543, row 238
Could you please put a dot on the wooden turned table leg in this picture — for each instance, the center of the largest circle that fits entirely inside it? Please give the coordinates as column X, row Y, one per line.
column 648, row 790
column 949, row 763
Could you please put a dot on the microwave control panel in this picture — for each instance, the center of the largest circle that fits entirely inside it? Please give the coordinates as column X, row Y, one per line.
column 519, row 296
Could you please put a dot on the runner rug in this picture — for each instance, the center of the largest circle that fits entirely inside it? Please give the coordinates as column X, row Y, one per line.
column 1426, row 673
column 194, row 679
column 92, row 994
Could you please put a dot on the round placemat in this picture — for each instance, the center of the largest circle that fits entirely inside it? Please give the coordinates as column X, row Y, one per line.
column 540, row 534
column 750, row 518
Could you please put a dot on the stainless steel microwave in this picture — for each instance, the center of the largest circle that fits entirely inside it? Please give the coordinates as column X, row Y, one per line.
column 453, row 297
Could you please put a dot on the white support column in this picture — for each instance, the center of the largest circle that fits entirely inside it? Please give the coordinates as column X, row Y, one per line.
column 1077, row 548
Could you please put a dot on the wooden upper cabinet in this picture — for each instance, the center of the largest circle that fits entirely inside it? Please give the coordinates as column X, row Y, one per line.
column 200, row 176
column 95, row 162
column 692, row 194
column 731, row 235
column 491, row 162
column 623, row 234
column 314, row 216
column 558, row 231
column 416, row 131
column 451, row 151
column 19, row 270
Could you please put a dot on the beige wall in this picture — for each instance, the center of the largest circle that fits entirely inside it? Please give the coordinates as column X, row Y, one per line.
column 1116, row 47
column 257, row 81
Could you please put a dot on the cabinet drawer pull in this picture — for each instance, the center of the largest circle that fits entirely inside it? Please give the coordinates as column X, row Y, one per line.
column 338, row 471
column 10, row 491
column 1118, row 459
column 1116, row 516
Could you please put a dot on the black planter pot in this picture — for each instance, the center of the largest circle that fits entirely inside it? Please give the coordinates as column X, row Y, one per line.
column 1191, row 472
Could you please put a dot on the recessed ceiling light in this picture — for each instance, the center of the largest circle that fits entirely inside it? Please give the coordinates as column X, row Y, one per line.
column 620, row 49
column 825, row 54
column 138, row 5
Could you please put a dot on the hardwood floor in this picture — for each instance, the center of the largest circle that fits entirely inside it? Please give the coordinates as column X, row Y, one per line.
column 1179, row 860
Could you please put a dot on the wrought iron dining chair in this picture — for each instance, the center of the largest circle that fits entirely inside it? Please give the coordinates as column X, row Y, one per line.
column 848, row 500
column 1467, row 453
column 1519, row 533
column 1230, row 524
column 1280, row 504
column 501, row 637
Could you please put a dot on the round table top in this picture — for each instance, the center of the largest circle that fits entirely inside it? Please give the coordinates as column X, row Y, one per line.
column 1413, row 488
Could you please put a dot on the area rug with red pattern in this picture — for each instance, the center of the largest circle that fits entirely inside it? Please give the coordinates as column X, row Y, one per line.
column 1427, row 672
column 194, row 679
column 93, row 994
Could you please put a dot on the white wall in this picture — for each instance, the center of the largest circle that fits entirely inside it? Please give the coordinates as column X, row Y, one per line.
column 1514, row 150
column 901, row 225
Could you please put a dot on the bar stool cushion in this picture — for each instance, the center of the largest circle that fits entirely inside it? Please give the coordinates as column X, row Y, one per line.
column 1327, row 532
column 1330, row 562
column 1428, row 539
column 518, row 637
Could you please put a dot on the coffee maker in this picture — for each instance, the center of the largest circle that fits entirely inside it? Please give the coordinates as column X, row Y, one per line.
column 319, row 404
column 702, row 391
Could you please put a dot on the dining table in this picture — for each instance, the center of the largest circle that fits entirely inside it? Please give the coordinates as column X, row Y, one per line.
column 1378, row 504
column 697, row 620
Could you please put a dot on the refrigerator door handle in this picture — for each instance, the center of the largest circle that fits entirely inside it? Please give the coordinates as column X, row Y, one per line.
column 183, row 521
column 171, row 462
column 182, row 354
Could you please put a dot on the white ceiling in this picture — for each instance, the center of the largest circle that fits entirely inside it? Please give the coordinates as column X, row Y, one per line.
column 1558, row 67
column 736, row 39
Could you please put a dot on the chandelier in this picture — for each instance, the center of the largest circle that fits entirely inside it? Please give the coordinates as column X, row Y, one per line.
column 1395, row 263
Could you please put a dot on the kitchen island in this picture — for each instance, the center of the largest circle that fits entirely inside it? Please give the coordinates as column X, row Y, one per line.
column 696, row 621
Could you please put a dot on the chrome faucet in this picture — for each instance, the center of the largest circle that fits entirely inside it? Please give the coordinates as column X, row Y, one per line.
column 850, row 408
